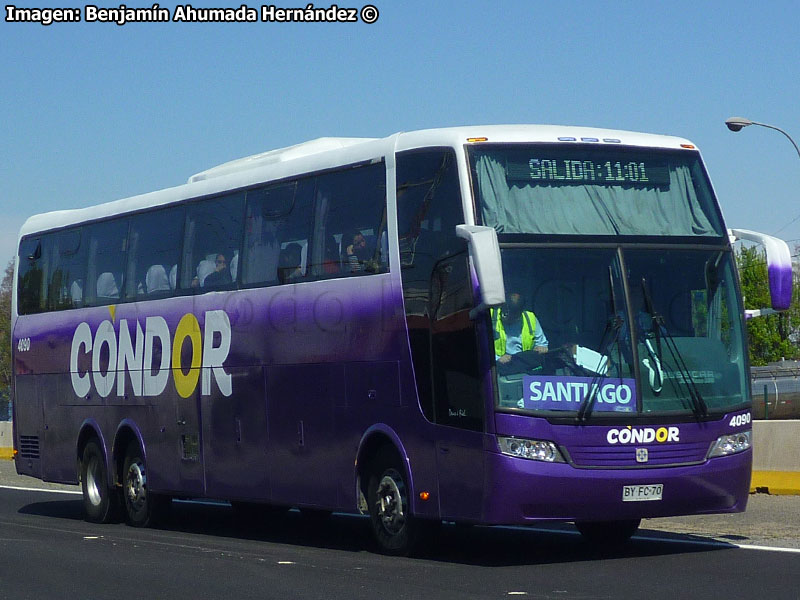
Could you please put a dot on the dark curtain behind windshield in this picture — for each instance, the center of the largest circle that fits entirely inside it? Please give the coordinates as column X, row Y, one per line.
column 519, row 207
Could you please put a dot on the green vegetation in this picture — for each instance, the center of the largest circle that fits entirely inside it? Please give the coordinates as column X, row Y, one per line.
column 774, row 337
column 5, row 340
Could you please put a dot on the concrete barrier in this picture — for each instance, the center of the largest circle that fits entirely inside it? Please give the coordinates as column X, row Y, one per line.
column 776, row 455
column 6, row 441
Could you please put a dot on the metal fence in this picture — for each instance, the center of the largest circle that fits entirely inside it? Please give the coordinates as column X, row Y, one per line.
column 776, row 391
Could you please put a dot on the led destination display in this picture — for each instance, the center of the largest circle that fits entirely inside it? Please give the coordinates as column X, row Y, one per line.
column 585, row 170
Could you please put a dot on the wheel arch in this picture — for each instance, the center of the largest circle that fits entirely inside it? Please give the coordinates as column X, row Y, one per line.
column 127, row 432
column 89, row 430
column 376, row 437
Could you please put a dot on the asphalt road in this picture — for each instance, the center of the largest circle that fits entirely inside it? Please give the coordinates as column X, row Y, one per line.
column 48, row 551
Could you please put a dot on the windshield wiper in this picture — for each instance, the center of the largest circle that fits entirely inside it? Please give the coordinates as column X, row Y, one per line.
column 658, row 328
column 614, row 324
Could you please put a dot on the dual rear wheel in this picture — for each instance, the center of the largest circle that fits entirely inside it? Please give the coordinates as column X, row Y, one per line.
column 104, row 502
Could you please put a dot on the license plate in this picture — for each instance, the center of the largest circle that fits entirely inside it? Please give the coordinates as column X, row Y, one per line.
column 642, row 493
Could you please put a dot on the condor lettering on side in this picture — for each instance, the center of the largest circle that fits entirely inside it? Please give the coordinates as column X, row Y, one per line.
column 134, row 356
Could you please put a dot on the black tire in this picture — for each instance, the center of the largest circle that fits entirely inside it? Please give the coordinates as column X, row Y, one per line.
column 101, row 502
column 142, row 507
column 608, row 533
column 394, row 528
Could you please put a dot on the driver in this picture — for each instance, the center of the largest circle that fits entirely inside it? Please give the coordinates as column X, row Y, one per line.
column 516, row 330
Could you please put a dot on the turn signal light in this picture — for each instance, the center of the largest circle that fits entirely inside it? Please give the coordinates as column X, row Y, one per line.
column 425, row 496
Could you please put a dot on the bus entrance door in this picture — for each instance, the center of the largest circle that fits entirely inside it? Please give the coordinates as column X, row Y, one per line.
column 459, row 458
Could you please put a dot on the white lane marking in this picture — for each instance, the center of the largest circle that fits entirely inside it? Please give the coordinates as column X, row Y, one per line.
column 27, row 489
column 768, row 548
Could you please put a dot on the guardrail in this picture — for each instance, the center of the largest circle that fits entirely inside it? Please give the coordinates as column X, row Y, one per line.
column 776, row 392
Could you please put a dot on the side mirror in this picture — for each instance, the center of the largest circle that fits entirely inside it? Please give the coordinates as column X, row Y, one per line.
column 484, row 251
column 779, row 268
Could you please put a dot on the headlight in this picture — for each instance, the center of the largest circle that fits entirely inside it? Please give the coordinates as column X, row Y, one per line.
column 731, row 444
column 530, row 449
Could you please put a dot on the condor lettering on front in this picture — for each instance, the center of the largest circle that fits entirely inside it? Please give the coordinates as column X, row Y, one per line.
column 119, row 356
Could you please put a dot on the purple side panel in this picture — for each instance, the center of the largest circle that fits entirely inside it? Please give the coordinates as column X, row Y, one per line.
column 312, row 367
column 780, row 285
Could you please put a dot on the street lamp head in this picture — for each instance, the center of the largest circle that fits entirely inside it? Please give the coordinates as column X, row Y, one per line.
column 737, row 123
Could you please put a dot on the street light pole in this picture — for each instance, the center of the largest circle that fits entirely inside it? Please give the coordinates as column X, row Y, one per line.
column 739, row 123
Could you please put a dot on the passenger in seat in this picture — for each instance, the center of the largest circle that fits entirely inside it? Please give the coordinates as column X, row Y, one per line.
column 220, row 276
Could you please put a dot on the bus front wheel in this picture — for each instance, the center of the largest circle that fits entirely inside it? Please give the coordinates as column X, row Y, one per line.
column 101, row 502
column 609, row 533
column 142, row 507
column 393, row 526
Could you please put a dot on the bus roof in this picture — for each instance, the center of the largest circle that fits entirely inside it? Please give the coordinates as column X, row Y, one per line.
column 329, row 152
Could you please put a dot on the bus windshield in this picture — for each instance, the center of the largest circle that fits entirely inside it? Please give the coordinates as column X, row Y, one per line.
column 564, row 342
column 582, row 189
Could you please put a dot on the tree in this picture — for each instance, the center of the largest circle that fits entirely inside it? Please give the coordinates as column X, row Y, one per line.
column 5, row 339
column 770, row 337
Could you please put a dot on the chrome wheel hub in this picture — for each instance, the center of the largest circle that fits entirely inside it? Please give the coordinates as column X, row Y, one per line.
column 93, row 473
column 391, row 502
column 136, row 485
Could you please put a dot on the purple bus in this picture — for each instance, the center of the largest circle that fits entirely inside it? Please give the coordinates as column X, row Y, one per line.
column 491, row 325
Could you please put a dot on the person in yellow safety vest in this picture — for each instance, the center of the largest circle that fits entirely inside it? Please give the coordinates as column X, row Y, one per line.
column 516, row 330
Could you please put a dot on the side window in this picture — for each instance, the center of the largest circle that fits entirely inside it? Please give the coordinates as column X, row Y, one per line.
column 67, row 269
column 428, row 205
column 350, row 223
column 105, row 272
column 30, row 285
column 155, row 247
column 212, row 239
column 277, row 226
column 437, row 289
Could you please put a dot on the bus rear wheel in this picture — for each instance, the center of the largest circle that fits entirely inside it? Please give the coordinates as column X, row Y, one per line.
column 101, row 502
column 142, row 507
column 394, row 528
column 608, row 533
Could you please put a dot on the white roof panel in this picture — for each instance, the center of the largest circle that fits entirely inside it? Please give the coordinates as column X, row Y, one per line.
column 329, row 152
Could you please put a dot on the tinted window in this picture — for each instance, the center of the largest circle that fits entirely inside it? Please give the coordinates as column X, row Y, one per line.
column 437, row 289
column 105, row 273
column 350, row 222
column 155, row 247
column 278, row 224
column 428, row 205
column 212, row 239
column 67, row 272
column 30, row 286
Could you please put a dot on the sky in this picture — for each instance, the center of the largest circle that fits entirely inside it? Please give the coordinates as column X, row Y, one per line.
column 94, row 112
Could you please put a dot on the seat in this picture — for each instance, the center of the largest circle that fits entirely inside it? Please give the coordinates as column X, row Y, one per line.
column 107, row 288
column 156, row 280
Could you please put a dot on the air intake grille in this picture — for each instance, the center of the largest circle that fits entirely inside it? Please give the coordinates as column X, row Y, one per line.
column 29, row 446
